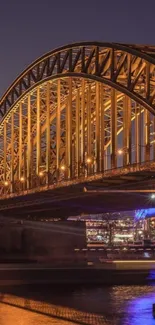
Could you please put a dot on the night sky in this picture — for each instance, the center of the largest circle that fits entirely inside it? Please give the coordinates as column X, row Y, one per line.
column 30, row 28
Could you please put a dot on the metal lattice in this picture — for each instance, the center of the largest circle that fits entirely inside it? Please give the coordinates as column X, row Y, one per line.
column 76, row 112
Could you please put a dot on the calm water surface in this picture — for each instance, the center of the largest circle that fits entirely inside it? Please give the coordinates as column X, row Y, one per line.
column 117, row 305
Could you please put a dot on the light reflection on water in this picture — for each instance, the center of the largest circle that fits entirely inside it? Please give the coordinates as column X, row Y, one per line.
column 117, row 305
column 140, row 311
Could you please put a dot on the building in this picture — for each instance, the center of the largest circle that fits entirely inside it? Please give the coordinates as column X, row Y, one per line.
column 123, row 228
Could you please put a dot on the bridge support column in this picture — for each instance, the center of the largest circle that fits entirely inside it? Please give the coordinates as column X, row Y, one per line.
column 58, row 127
column 140, row 134
column 147, row 134
column 69, row 131
column 102, row 131
column 126, row 131
column 38, row 134
column 83, row 127
column 78, row 132
column 154, row 141
column 29, row 167
column 21, row 174
column 12, row 152
column 5, row 149
column 97, row 126
column 113, row 129
column 48, row 140
column 137, row 134
column 89, row 134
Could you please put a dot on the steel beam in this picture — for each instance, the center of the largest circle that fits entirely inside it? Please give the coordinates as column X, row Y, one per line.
column 97, row 127
column 83, row 122
column 140, row 133
column 29, row 167
column 5, row 150
column 12, row 152
column 137, row 128
column 78, row 132
column 113, row 129
column 89, row 129
column 38, row 133
column 48, row 140
column 102, row 131
column 20, row 141
column 147, row 81
column 69, row 131
column 147, row 134
column 58, row 114
column 127, row 154
column 154, row 139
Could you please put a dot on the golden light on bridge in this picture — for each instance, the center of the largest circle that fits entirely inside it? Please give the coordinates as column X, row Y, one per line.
column 64, row 117
column 41, row 174
column 120, row 152
column 63, row 167
column 89, row 160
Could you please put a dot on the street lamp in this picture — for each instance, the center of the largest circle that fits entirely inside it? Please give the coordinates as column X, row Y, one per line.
column 88, row 160
column 41, row 174
column 153, row 196
column 63, row 167
column 22, row 179
column 120, row 152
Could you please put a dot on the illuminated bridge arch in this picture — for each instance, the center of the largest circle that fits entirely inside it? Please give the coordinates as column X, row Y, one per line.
column 77, row 111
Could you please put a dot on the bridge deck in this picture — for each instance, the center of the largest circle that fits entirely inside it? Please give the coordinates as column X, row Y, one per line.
column 73, row 200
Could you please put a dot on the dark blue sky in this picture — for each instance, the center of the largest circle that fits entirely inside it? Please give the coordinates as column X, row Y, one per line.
column 29, row 28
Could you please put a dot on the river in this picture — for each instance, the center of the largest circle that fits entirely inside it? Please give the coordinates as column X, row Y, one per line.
column 48, row 305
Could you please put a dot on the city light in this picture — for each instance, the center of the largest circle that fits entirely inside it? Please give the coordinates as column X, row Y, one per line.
column 6, row 183
column 123, row 235
column 120, row 151
column 63, row 167
column 141, row 214
column 153, row 196
column 126, row 231
column 41, row 173
column 22, row 179
column 88, row 160
column 151, row 211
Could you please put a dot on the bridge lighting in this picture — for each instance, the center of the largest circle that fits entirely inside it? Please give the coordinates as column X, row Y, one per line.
column 88, row 160
column 87, row 163
column 120, row 151
column 63, row 167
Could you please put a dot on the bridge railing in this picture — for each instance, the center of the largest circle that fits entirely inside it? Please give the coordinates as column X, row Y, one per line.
column 119, row 171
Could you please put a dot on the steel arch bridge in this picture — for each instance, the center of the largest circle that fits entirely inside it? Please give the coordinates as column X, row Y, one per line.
column 78, row 113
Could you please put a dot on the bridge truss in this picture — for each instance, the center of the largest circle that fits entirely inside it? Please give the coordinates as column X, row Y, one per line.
column 81, row 111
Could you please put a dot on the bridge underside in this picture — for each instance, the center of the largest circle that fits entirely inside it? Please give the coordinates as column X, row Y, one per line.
column 95, row 197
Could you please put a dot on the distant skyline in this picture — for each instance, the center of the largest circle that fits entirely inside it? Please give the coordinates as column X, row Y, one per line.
column 28, row 29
